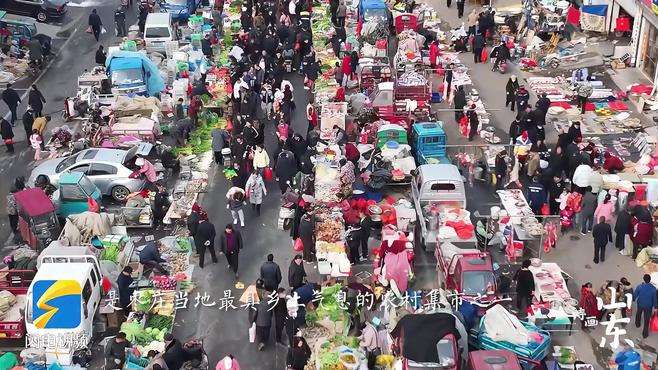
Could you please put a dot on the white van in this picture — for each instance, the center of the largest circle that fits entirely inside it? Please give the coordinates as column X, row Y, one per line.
column 62, row 301
column 158, row 29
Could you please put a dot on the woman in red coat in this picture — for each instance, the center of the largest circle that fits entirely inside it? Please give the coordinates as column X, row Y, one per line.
column 641, row 231
column 434, row 53
column 346, row 68
column 588, row 302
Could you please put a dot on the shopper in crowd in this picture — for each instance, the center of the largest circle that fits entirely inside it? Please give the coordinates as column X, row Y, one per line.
column 255, row 190
column 299, row 354
column 587, row 212
column 11, row 98
column 606, row 209
column 622, row 228
column 262, row 317
column 510, row 92
column 296, row 272
column 460, row 102
column 525, row 287
column 236, row 197
column 474, row 122
column 641, row 229
column 478, row 45
column 220, row 139
column 115, row 351
column 270, row 273
column 204, row 238
column 125, row 289
column 588, row 303
column 150, row 257
column 646, row 303
column 120, row 22
column 536, row 195
column 460, row 8
column 280, row 313
column 602, row 235
column 95, row 23
column 231, row 244
column 228, row 363
column 7, row 134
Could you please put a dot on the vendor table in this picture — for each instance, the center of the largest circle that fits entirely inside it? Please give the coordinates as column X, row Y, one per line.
column 552, row 294
column 519, row 211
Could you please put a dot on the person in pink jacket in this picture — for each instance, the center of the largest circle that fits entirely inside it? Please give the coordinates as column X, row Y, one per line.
column 605, row 209
column 228, row 363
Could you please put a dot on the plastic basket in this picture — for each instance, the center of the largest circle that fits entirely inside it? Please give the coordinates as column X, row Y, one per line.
column 129, row 45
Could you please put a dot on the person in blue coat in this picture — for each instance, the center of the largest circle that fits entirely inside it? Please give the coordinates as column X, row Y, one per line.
column 536, row 195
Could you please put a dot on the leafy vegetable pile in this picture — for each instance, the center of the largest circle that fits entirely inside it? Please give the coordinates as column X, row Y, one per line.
column 160, row 322
column 144, row 301
column 110, row 253
column 183, row 244
column 328, row 356
column 328, row 307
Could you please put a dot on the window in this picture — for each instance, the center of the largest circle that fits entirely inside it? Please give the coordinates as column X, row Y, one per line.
column 87, row 186
column 90, row 154
column 442, row 186
column 93, row 277
column 80, row 168
column 155, row 32
column 72, row 192
column 99, row 169
column 86, row 292
column 430, row 139
column 66, row 163
column 478, row 282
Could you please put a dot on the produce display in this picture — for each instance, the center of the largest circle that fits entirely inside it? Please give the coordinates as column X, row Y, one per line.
column 411, row 78
column 329, row 228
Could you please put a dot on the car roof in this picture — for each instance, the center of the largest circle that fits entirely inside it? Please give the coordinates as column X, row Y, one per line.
column 434, row 172
column 77, row 271
column 103, row 155
column 158, row 18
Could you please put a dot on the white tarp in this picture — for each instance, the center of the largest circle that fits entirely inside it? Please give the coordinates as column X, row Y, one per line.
column 500, row 325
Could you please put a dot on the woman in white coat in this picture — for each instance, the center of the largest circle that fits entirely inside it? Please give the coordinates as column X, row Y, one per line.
column 256, row 190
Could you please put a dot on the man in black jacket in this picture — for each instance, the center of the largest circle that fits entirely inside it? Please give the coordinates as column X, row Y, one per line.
column 11, row 98
column 296, row 272
column 525, row 286
column 150, row 257
column 602, row 235
column 270, row 273
column 124, row 282
column 28, row 121
column 95, row 23
column 205, row 239
column 36, row 100
column 231, row 243
column 115, row 351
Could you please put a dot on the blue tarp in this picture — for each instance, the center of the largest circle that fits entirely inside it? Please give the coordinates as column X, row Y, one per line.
column 600, row 10
column 131, row 59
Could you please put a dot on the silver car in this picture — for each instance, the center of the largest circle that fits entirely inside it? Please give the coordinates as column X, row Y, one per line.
column 108, row 169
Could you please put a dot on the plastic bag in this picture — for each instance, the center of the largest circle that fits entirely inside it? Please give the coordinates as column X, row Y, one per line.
column 267, row 174
column 299, row 245
column 545, row 210
column 653, row 324
column 92, row 205
column 484, row 56
column 103, row 30
column 252, row 333
column 88, row 30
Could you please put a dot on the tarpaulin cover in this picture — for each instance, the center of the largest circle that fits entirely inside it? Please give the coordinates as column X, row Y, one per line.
column 34, row 202
column 119, row 64
column 154, row 82
column 421, row 333
column 592, row 17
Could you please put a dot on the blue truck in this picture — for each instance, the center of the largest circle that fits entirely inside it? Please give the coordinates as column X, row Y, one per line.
column 180, row 10
column 428, row 143
column 133, row 73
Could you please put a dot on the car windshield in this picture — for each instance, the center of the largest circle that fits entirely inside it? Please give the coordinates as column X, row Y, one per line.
column 446, row 353
column 155, row 32
column 478, row 282
column 177, row 2
column 66, row 163
column 127, row 76
column 371, row 14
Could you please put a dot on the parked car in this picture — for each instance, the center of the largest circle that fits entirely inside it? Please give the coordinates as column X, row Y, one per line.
column 180, row 10
column 108, row 169
column 42, row 10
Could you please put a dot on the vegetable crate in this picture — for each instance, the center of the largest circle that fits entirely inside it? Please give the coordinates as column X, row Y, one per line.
column 528, row 354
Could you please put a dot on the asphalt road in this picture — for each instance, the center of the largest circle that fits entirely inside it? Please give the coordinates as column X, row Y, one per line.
column 75, row 53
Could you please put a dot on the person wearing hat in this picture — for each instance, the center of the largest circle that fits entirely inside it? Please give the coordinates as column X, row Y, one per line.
column 522, row 97
column 146, row 168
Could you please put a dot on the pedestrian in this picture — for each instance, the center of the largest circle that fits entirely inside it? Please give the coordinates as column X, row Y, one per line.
column 11, row 98
column 460, row 8
column 120, row 22
column 622, row 227
column 478, row 46
column 471, row 22
column 193, row 219
column 270, row 273
column 255, row 190
column 160, row 204
column 353, row 240
column 525, row 287
column 285, row 169
column 588, row 303
column 642, row 230
column 179, row 110
column 474, row 122
column 236, row 197
column 280, row 311
column 646, row 303
column 261, row 159
column 605, row 209
column 341, row 13
column 150, row 257
column 36, row 100
column 220, row 140
column 500, row 165
column 205, row 239
column 262, row 317
column 510, row 92
column 231, row 244
column 12, row 208
column 583, row 91
column 28, row 121
column 36, row 141
column 7, row 134
column 555, row 190
column 124, row 285
column 587, row 212
column 95, row 23
column 115, row 351
column 460, row 102
column 522, row 98
column 602, row 235
column 101, row 56
column 296, row 272
column 536, row 195
column 298, row 354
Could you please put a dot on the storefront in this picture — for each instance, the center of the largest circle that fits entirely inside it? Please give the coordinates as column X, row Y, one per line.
column 644, row 39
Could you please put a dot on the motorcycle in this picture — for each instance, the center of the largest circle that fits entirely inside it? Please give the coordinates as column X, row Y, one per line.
column 287, row 210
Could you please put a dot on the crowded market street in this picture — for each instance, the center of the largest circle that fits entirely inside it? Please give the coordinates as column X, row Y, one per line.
column 204, row 199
